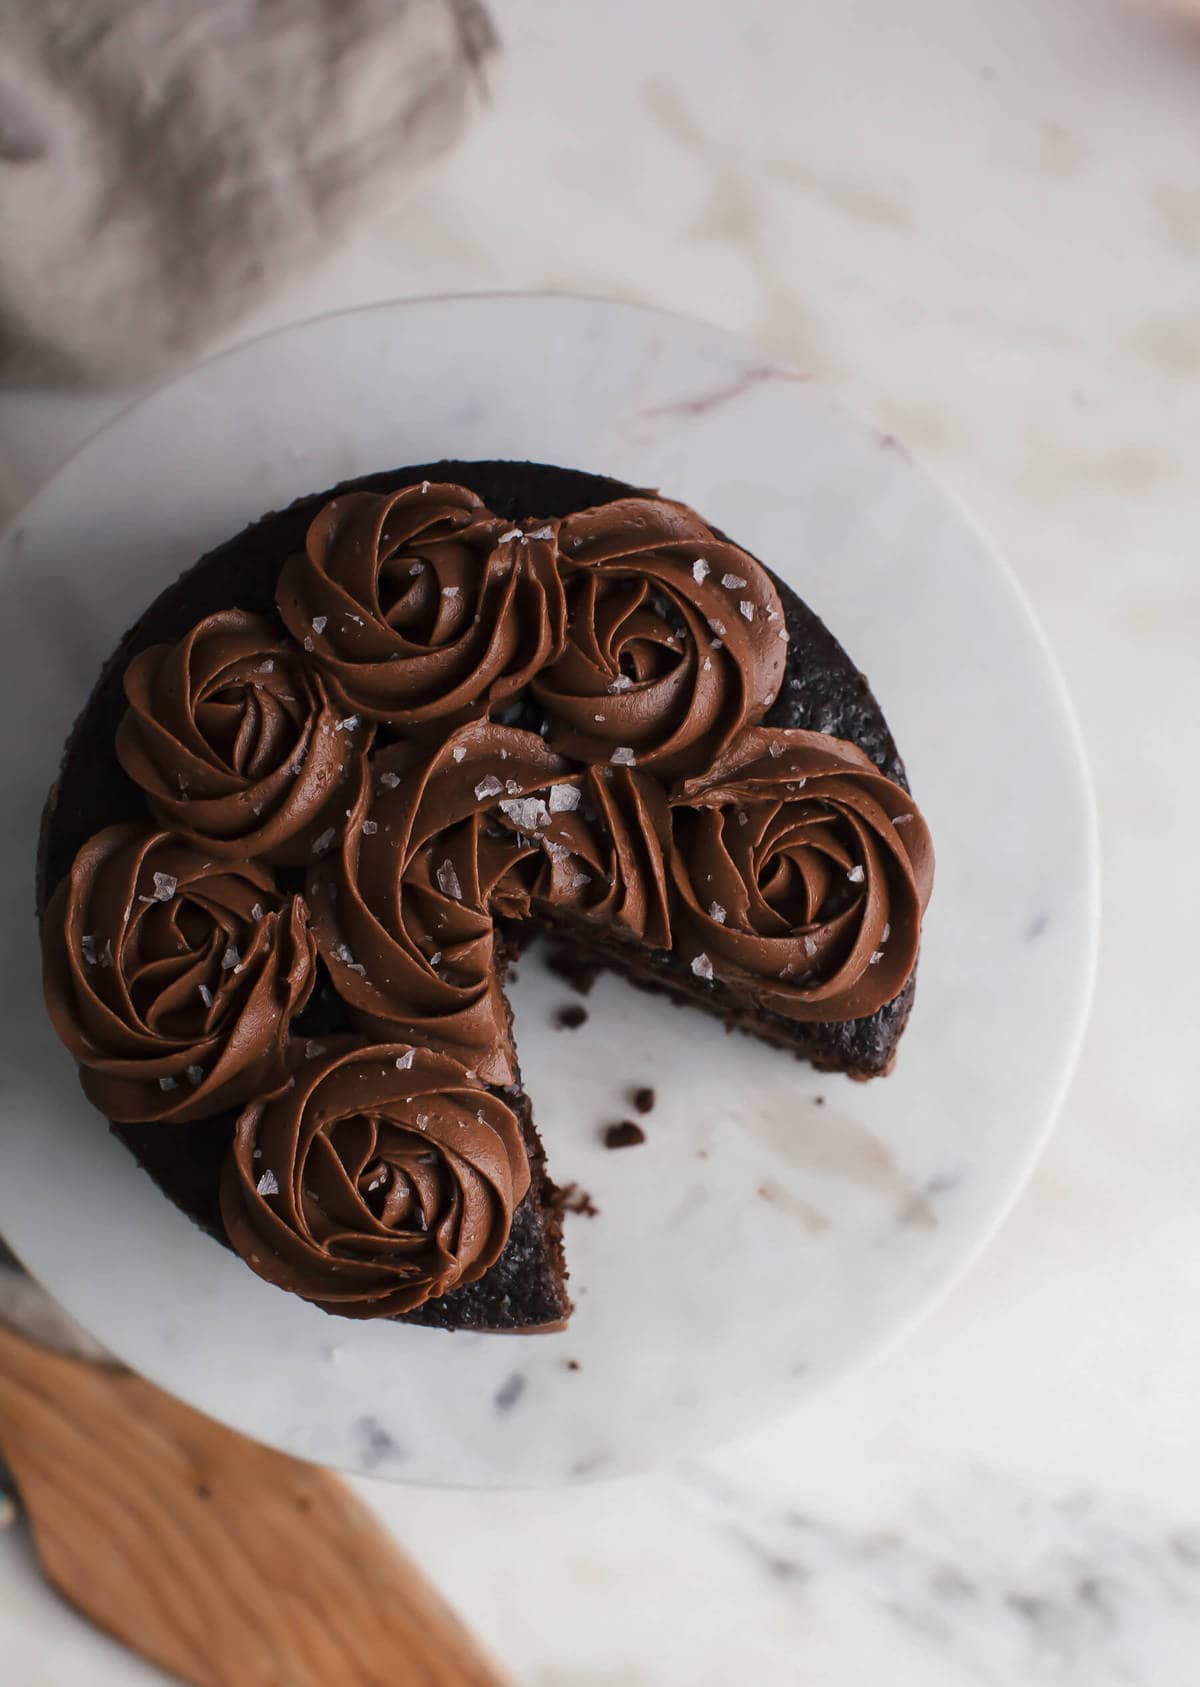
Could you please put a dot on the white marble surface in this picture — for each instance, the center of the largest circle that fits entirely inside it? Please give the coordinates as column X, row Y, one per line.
column 981, row 221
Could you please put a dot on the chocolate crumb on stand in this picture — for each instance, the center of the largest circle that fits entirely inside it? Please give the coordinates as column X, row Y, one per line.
column 573, row 1199
column 644, row 1099
column 625, row 1134
column 569, row 1017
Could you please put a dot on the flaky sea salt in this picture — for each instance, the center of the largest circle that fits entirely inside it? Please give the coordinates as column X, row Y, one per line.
column 106, row 954
column 319, row 623
column 424, row 488
column 256, row 913
column 268, row 1184
column 435, row 960
column 447, row 880
column 165, row 886
column 542, row 533
column 743, row 819
column 313, row 1050
column 369, row 828
column 404, row 1061
column 857, row 873
column 195, row 1075
column 231, row 959
column 700, row 571
column 598, row 718
column 564, row 798
column 809, row 945
column 746, row 608
column 902, row 820
column 621, row 683
column 782, row 635
column 717, row 912
column 325, row 841
column 346, row 725
column 707, row 664
column 88, row 946
column 513, row 533
column 389, row 780
column 308, row 644
column 702, row 966
column 487, row 787
column 342, row 952
column 167, row 1084
column 513, row 787
column 885, row 933
column 267, row 667
column 718, row 627
column 206, row 995
column 876, row 958
column 623, row 756
column 732, row 582
column 527, row 814
column 458, row 752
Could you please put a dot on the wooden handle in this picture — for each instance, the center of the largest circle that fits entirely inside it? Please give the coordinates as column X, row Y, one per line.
column 221, row 1561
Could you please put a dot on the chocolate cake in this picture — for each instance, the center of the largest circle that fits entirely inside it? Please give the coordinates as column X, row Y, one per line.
column 339, row 772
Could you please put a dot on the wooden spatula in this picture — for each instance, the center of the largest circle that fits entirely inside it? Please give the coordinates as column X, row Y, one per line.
column 223, row 1562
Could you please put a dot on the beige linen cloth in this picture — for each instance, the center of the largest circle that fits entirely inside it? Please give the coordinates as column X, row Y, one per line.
column 164, row 163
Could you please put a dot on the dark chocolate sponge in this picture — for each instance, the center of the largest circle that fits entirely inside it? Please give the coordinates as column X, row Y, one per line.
column 822, row 691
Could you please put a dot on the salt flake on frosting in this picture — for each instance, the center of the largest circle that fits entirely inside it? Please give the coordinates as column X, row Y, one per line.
column 404, row 1061
column 447, row 880
column 717, row 912
column 268, row 1184
column 319, row 623
column 857, row 873
column 702, row 966
column 623, row 756
column 527, row 814
column 489, row 786
column 700, row 571
column 732, row 582
column 564, row 798
column 165, row 886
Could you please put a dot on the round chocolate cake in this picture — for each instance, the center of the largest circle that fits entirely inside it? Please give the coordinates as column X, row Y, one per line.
column 345, row 766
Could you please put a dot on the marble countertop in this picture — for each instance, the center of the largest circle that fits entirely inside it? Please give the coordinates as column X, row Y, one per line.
column 981, row 223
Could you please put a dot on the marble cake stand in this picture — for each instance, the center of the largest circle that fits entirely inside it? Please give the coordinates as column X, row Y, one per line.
column 777, row 1227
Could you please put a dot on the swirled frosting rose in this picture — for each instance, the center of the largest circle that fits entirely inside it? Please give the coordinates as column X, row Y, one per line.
column 675, row 639
column 595, row 847
column 233, row 737
column 384, row 1177
column 802, row 874
column 422, row 605
column 171, row 977
column 437, row 841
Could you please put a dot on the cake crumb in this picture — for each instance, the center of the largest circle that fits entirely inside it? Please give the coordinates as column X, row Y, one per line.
column 573, row 1199
column 625, row 1134
column 579, row 972
column 644, row 1098
column 569, row 1017
column 572, row 1364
